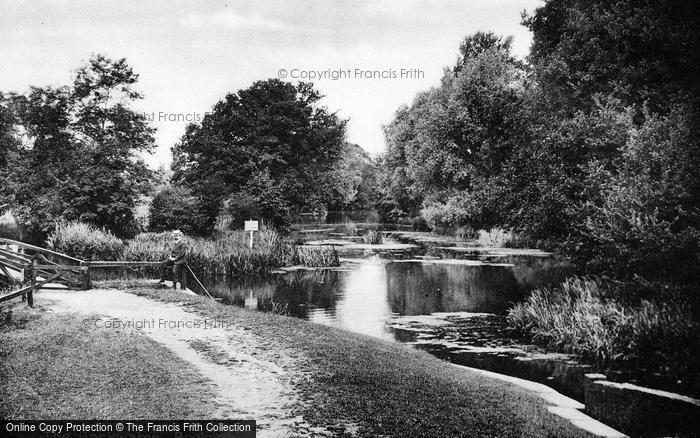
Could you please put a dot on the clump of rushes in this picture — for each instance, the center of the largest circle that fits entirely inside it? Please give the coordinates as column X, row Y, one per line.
column 85, row 242
column 495, row 237
column 372, row 237
column 228, row 253
column 321, row 256
column 577, row 318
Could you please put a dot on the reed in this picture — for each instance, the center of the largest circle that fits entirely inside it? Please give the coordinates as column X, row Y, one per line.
column 372, row 237
column 228, row 253
column 321, row 256
column 577, row 317
column 495, row 237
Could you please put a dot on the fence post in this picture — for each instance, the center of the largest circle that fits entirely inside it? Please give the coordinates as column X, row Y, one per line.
column 30, row 295
column 85, row 270
column 27, row 277
column 27, row 273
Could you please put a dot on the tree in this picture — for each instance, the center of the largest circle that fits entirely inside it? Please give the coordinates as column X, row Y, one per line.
column 272, row 133
column 175, row 208
column 78, row 158
column 446, row 150
column 353, row 180
column 8, row 146
column 639, row 51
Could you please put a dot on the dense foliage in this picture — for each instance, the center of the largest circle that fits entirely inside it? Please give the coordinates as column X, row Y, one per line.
column 72, row 152
column 592, row 145
column 175, row 208
column 443, row 150
column 262, row 153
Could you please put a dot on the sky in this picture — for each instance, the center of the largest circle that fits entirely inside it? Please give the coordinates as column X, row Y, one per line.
column 369, row 57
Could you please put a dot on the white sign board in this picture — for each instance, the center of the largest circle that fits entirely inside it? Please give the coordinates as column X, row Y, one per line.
column 251, row 225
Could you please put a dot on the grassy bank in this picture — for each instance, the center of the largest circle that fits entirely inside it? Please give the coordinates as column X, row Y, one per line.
column 582, row 316
column 53, row 367
column 384, row 388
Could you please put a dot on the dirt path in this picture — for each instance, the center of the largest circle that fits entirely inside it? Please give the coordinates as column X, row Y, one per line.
column 248, row 385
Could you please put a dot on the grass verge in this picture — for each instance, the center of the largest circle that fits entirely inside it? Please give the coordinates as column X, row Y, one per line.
column 54, row 368
column 385, row 388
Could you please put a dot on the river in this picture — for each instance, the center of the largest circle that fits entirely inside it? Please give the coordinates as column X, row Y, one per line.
column 439, row 294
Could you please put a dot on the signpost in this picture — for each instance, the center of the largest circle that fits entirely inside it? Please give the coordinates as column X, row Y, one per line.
column 251, row 226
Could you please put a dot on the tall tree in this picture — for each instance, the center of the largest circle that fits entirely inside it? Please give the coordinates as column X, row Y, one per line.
column 637, row 50
column 445, row 149
column 78, row 157
column 8, row 145
column 273, row 135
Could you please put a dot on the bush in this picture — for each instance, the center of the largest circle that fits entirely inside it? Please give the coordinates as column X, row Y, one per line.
column 441, row 217
column 175, row 208
column 85, row 242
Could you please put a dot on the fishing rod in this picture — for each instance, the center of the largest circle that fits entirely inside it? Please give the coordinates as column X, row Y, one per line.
column 200, row 283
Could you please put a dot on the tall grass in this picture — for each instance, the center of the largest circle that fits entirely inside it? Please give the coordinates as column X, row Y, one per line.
column 372, row 237
column 320, row 256
column 375, row 237
column 85, row 242
column 228, row 253
column 576, row 317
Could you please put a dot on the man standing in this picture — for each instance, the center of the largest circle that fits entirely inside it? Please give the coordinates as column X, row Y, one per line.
column 176, row 261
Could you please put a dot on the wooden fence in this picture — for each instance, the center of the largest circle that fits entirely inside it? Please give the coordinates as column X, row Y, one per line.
column 42, row 268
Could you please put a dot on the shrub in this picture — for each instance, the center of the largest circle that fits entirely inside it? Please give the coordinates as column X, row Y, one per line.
column 441, row 217
column 175, row 208
column 85, row 242
column 9, row 227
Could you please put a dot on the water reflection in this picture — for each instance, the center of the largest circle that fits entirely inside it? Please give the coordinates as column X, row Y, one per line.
column 364, row 307
column 364, row 297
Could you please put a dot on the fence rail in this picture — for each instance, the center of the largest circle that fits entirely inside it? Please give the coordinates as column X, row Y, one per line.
column 40, row 266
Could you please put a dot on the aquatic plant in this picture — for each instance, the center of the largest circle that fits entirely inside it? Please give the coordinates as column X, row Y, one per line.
column 372, row 237
column 495, row 237
column 578, row 317
column 280, row 309
column 321, row 256
column 228, row 253
column 465, row 232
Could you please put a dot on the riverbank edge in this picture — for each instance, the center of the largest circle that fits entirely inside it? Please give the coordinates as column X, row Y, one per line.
column 385, row 388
